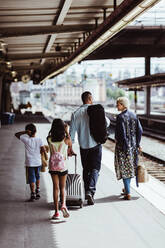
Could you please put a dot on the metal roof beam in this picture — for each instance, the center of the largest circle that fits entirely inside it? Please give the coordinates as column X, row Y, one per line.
column 36, row 56
column 26, row 68
column 148, row 80
column 66, row 6
column 36, row 30
column 128, row 50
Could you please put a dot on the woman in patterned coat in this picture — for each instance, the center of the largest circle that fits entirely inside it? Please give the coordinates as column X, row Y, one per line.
column 127, row 137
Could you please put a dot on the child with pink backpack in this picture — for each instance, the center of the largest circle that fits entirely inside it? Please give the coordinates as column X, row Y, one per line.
column 59, row 142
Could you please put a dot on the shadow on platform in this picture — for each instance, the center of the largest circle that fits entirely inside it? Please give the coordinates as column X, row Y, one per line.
column 113, row 198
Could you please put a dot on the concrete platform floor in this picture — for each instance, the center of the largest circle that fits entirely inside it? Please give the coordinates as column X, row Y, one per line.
column 111, row 222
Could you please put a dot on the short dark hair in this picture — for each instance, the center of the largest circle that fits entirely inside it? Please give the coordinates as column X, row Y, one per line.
column 85, row 96
column 31, row 127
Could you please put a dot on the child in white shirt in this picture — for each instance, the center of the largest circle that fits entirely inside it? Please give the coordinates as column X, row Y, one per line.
column 33, row 149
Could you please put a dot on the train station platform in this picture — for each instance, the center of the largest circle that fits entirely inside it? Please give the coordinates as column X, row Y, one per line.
column 111, row 222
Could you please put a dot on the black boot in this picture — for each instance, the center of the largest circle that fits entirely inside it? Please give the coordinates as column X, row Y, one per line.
column 38, row 194
column 33, row 197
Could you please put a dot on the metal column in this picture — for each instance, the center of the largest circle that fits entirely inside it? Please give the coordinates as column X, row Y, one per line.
column 148, row 88
column 1, row 81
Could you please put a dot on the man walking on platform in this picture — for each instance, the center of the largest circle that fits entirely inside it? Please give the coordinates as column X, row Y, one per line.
column 90, row 150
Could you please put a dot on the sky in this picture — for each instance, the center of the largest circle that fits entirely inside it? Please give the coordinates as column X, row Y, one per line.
column 154, row 16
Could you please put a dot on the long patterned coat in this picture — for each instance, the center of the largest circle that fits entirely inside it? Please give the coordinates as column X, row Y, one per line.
column 127, row 135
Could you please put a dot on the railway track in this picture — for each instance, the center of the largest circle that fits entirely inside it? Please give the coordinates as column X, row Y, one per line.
column 154, row 166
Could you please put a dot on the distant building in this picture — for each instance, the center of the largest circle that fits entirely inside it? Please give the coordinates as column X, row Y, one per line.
column 98, row 89
column 68, row 94
column 71, row 93
column 24, row 96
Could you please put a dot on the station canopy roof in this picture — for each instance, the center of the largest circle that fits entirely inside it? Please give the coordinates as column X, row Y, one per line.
column 40, row 39
column 139, row 83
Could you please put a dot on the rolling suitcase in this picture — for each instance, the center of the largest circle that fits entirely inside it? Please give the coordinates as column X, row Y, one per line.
column 74, row 189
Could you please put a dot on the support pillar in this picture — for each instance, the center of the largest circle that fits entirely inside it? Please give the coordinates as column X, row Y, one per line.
column 148, row 101
column 135, row 100
column 1, row 82
column 148, row 88
column 114, row 4
column 6, row 96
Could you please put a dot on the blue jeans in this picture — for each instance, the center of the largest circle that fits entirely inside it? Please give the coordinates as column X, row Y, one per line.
column 91, row 163
column 33, row 174
column 127, row 182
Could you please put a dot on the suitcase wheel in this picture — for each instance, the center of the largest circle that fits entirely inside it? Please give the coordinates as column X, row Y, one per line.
column 81, row 203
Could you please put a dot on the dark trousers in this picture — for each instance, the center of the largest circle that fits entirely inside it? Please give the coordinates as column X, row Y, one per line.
column 91, row 163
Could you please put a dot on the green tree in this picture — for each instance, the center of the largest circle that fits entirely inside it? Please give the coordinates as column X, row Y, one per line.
column 109, row 92
column 115, row 93
column 37, row 95
column 120, row 92
column 131, row 96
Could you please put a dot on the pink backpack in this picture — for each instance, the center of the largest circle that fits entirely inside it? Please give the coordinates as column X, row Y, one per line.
column 56, row 162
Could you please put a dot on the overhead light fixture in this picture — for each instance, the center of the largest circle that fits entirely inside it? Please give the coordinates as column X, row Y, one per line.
column 134, row 13
column 8, row 64
column 2, row 49
column 147, row 3
column 25, row 78
column 2, row 44
column 13, row 74
column 106, row 35
column 58, row 48
column 97, row 42
column 119, row 25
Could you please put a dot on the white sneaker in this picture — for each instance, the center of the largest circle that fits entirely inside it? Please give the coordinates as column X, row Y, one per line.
column 65, row 212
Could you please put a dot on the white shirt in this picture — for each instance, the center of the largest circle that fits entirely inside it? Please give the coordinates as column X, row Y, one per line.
column 32, row 150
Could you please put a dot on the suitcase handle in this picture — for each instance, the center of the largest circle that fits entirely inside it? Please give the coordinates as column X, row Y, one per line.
column 75, row 155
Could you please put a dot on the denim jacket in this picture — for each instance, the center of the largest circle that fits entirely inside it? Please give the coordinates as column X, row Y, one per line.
column 128, row 130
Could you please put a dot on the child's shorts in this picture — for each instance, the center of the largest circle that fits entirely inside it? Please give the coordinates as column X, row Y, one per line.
column 59, row 173
column 32, row 174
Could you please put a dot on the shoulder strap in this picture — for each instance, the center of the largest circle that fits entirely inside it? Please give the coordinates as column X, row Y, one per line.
column 59, row 148
column 53, row 148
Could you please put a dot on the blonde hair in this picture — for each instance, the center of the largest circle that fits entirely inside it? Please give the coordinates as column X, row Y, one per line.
column 124, row 101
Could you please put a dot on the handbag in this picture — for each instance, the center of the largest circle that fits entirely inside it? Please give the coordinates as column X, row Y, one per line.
column 142, row 173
